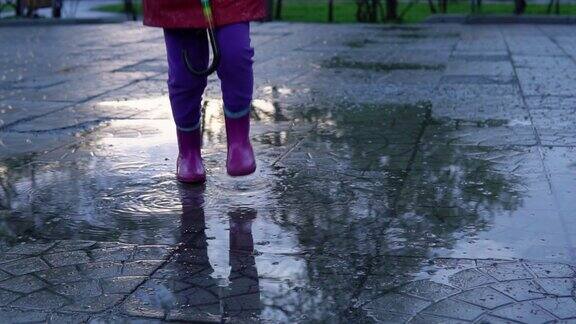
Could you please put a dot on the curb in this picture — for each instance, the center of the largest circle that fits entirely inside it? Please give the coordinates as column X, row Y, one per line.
column 502, row 19
column 60, row 22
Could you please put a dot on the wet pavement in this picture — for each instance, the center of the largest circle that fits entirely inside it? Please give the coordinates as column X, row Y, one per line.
column 406, row 174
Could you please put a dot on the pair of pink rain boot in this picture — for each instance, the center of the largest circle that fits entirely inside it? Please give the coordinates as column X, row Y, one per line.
column 240, row 160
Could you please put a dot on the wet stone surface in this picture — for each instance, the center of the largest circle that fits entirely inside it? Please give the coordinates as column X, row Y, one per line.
column 418, row 174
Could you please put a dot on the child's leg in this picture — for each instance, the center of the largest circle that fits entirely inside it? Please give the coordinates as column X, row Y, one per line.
column 186, row 89
column 186, row 92
column 235, row 70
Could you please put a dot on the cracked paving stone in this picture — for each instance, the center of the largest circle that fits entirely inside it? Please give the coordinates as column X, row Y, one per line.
column 520, row 290
column 61, row 259
column 23, row 284
column 525, row 312
column 121, row 285
column 455, row 309
column 470, row 278
column 24, row 266
column 43, row 300
column 428, row 290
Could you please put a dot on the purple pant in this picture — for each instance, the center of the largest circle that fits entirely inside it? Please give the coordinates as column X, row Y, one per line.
column 235, row 72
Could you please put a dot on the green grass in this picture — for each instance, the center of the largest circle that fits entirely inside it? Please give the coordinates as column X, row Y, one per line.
column 345, row 11
column 118, row 8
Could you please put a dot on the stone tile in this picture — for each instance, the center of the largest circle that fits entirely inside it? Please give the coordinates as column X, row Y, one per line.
column 94, row 304
column 10, row 315
column 121, row 285
column 134, row 306
column 489, row 319
column 550, row 270
column 99, row 270
column 112, row 254
column 31, row 248
column 520, row 290
column 60, row 275
column 507, row 271
column 64, row 318
column 455, row 309
column 23, row 284
column 151, row 253
column 562, row 307
column 79, row 289
column 558, row 286
column 398, row 304
column 470, row 278
column 140, row 268
column 24, row 266
column 73, row 245
column 66, row 258
column 42, row 300
column 118, row 318
column 6, row 297
column 428, row 290
column 429, row 319
column 383, row 316
column 485, row 297
column 524, row 312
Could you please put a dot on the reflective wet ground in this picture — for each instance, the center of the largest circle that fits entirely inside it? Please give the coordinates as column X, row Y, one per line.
column 420, row 174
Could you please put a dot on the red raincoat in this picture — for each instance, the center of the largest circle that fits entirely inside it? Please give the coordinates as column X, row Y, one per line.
column 188, row 13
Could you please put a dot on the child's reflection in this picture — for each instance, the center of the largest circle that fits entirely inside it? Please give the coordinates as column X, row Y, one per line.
column 241, row 299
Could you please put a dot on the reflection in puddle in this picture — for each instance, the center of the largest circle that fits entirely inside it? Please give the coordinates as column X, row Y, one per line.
column 188, row 289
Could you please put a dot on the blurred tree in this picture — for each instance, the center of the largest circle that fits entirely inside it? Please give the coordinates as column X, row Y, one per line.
column 369, row 10
column 519, row 7
column 130, row 10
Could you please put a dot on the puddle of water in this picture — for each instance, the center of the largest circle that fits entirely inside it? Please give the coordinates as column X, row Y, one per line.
column 361, row 184
column 341, row 63
column 360, row 43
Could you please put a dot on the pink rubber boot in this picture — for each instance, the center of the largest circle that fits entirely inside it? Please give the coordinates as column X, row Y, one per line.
column 240, row 160
column 189, row 167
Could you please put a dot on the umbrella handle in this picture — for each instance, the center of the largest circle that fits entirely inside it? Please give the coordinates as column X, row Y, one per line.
column 207, row 10
column 215, row 60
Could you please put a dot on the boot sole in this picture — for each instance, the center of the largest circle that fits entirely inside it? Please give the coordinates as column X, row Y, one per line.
column 243, row 173
column 192, row 180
